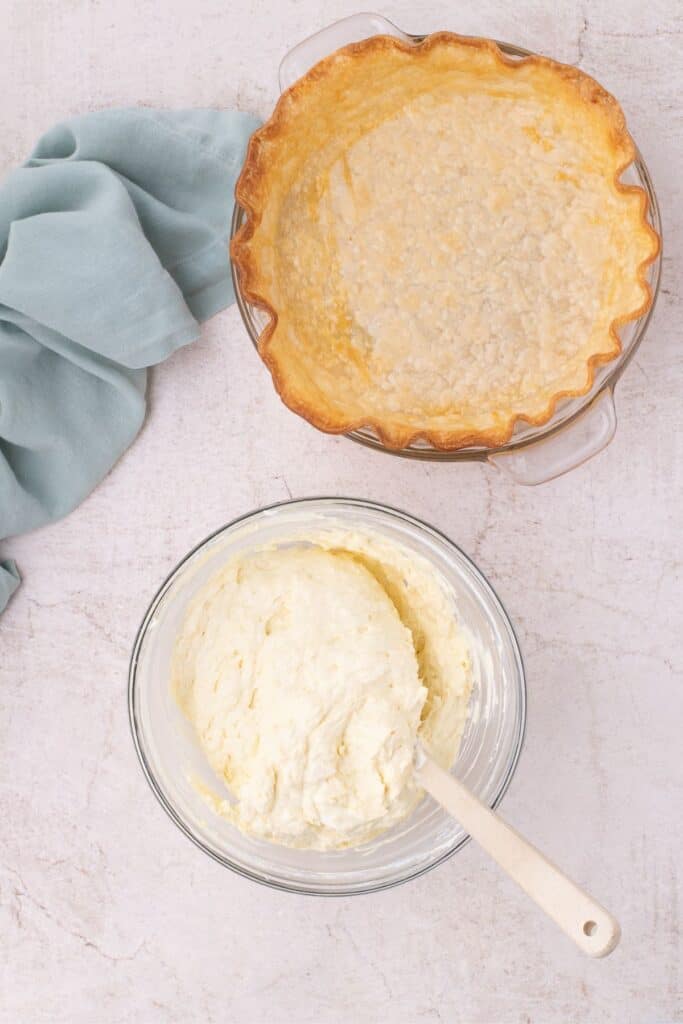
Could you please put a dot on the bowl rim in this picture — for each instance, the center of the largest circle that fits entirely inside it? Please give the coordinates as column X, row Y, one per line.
column 324, row 500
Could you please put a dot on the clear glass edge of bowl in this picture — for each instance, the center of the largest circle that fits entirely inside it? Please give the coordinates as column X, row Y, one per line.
column 263, row 879
column 557, row 422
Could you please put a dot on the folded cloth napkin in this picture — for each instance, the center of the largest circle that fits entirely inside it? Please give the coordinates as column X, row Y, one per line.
column 113, row 246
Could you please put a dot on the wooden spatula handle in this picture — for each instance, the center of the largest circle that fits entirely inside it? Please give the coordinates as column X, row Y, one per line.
column 591, row 927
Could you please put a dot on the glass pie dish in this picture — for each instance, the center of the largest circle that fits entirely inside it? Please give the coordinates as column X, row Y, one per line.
column 580, row 426
column 176, row 768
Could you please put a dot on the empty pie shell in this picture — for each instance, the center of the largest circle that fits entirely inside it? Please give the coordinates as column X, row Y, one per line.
column 441, row 240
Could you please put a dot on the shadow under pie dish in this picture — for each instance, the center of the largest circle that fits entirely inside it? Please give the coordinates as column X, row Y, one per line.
column 440, row 240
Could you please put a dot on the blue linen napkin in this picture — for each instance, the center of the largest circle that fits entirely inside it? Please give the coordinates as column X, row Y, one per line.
column 113, row 247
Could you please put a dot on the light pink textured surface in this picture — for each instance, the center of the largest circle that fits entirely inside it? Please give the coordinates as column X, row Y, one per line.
column 107, row 913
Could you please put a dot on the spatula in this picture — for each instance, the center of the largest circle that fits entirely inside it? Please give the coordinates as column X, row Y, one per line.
column 579, row 916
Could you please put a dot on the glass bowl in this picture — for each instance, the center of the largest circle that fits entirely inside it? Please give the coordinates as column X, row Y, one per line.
column 581, row 426
column 173, row 761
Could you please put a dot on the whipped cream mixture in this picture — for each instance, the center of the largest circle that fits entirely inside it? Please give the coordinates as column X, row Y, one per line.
column 308, row 671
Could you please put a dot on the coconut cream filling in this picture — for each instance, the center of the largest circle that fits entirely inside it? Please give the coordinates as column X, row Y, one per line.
column 308, row 672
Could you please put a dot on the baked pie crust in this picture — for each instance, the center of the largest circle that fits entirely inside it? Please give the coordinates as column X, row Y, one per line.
column 440, row 238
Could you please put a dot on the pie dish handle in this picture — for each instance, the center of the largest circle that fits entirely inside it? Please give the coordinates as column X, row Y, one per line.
column 349, row 30
column 566, row 449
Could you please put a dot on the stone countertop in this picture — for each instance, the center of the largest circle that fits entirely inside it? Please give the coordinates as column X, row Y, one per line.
column 108, row 914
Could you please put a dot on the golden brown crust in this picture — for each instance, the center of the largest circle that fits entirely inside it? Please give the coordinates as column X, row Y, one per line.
column 252, row 191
